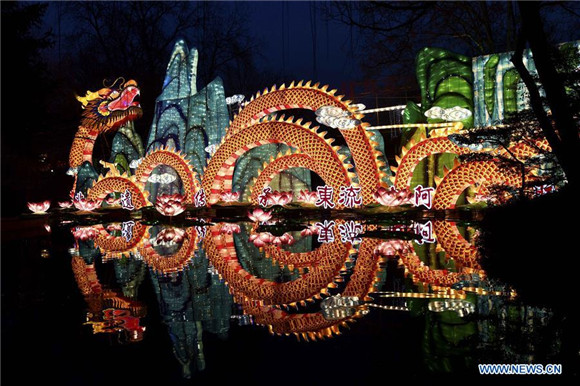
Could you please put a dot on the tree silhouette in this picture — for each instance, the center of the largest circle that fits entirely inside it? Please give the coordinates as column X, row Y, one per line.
column 136, row 36
column 23, row 70
column 25, row 81
column 560, row 127
column 391, row 33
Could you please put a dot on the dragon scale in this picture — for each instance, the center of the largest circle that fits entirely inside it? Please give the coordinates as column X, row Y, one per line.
column 176, row 261
column 118, row 183
column 283, row 163
column 176, row 161
column 112, row 246
column 447, row 193
column 298, row 259
column 313, row 325
column 438, row 145
column 221, row 252
column 420, row 151
column 290, row 133
column 362, row 148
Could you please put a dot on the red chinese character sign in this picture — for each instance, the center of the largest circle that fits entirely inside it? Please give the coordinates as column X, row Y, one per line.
column 325, row 197
column 350, row 231
column 201, row 229
column 127, row 200
column 325, row 231
column 264, row 197
column 350, row 196
column 199, row 198
column 425, row 231
column 127, row 230
column 423, row 196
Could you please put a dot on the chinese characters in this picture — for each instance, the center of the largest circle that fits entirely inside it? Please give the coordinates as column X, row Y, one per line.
column 423, row 196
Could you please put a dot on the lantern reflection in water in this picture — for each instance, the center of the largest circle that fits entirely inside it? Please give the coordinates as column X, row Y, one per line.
column 307, row 289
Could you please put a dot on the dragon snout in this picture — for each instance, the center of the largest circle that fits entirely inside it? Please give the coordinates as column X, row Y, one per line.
column 129, row 97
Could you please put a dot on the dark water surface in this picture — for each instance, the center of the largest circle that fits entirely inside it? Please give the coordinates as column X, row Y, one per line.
column 196, row 333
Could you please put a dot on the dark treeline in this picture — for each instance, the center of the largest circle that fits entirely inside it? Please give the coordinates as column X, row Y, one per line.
column 392, row 32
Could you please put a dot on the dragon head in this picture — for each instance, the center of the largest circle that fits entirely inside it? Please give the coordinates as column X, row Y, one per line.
column 110, row 107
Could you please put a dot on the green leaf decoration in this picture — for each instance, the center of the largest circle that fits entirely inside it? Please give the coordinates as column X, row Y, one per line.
column 511, row 79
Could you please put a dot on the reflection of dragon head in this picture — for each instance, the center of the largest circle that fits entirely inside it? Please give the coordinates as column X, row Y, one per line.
column 109, row 108
column 114, row 320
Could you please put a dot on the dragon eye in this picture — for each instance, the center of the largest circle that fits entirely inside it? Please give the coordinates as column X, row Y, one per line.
column 114, row 94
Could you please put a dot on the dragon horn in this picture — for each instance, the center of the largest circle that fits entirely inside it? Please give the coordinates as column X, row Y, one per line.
column 91, row 95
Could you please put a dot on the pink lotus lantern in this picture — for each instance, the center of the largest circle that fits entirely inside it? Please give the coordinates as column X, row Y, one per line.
column 84, row 233
column 116, row 227
column 261, row 239
column 286, row 239
column 170, row 236
column 39, row 207
column 393, row 197
column 65, row 204
column 309, row 231
column 391, row 248
column 279, row 198
column 258, row 215
column 230, row 229
column 230, row 196
column 170, row 204
column 308, row 197
column 85, row 205
column 112, row 200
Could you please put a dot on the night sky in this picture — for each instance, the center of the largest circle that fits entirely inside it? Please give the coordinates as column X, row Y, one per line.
column 334, row 65
column 285, row 33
